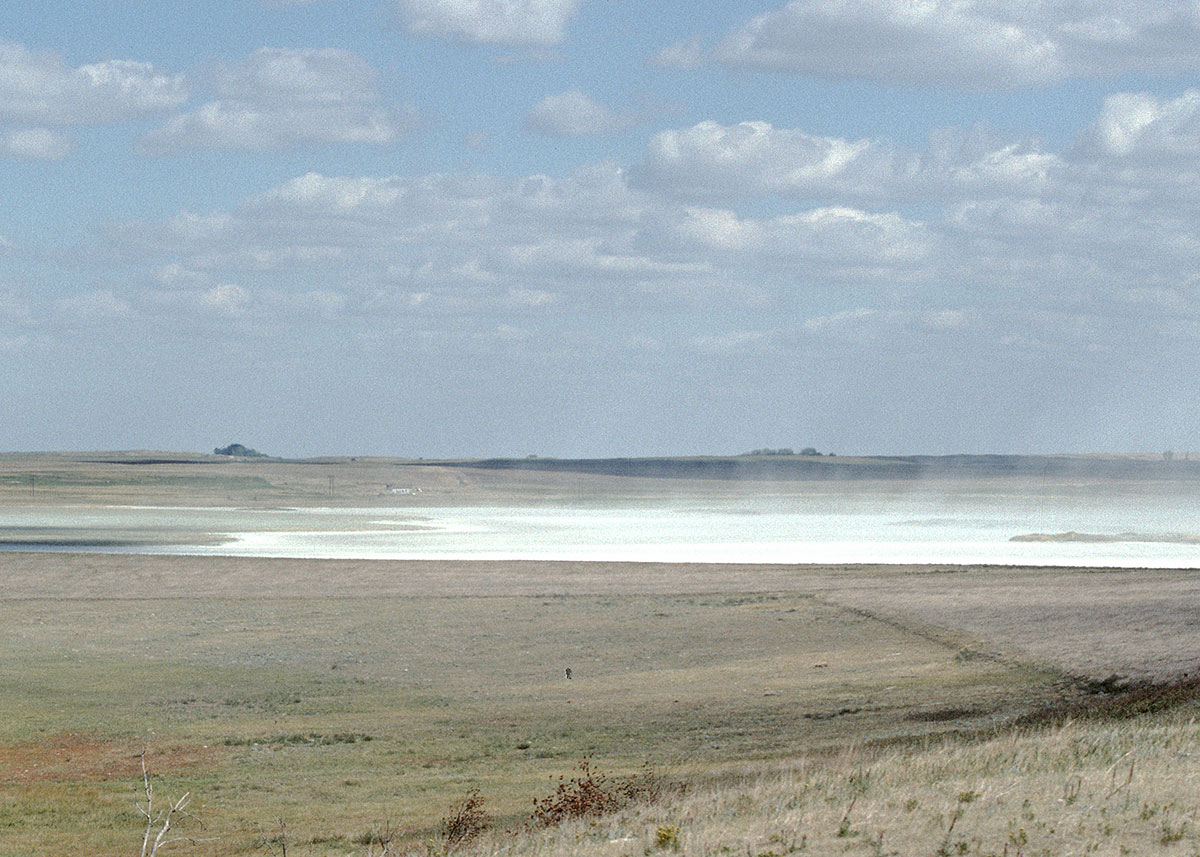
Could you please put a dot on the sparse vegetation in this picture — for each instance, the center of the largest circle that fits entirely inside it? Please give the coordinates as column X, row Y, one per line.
column 591, row 792
column 466, row 821
column 960, row 796
column 808, row 710
column 161, row 820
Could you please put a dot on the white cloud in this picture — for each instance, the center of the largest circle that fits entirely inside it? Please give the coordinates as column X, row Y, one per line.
column 686, row 55
column 574, row 114
column 506, row 242
column 233, row 306
column 40, row 88
column 290, row 76
column 733, row 342
column 710, row 159
column 846, row 320
column 532, row 297
column 1143, row 125
column 227, row 298
column 740, row 215
column 973, row 44
column 945, row 319
column 470, row 242
column 975, row 163
column 501, row 22
column 847, row 238
column 225, row 125
column 510, row 333
column 278, row 97
column 713, row 161
column 34, row 144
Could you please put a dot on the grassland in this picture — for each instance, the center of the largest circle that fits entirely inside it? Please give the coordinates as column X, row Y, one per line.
column 1112, row 785
column 336, row 697
column 338, row 714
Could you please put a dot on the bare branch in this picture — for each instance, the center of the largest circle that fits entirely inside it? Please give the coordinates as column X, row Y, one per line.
column 164, row 818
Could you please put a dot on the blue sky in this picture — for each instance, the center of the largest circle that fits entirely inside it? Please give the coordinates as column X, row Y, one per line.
column 600, row 227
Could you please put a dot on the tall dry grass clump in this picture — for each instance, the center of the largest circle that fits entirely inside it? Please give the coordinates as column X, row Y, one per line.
column 1079, row 787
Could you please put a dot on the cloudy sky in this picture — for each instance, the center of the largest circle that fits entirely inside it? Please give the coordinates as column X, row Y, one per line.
column 600, row 227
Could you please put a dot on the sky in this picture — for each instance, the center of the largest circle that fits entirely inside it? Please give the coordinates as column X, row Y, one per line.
column 443, row 228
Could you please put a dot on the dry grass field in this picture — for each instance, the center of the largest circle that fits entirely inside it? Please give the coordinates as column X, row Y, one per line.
column 1110, row 786
column 834, row 709
column 339, row 713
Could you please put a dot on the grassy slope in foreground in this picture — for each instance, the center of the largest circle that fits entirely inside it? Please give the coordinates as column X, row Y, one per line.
column 1109, row 784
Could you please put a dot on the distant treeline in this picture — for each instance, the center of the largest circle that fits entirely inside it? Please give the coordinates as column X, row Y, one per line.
column 800, row 467
column 239, row 451
column 783, row 450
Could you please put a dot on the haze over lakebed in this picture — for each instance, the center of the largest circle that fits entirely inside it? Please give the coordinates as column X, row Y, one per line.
column 949, row 523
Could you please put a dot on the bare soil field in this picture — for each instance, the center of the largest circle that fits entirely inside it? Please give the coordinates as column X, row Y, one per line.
column 1140, row 623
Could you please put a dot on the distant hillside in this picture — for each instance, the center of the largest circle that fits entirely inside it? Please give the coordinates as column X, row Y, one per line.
column 802, row 467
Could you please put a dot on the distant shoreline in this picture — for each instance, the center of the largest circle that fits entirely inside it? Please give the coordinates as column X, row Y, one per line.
column 1108, row 538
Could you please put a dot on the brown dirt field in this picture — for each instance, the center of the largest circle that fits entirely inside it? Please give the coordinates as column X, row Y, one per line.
column 1139, row 623
column 73, row 757
column 1090, row 622
column 110, row 576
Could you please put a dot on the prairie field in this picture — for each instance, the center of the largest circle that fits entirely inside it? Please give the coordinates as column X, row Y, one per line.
column 313, row 704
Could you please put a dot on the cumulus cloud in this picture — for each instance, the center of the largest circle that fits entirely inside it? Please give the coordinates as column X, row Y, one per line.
column 744, row 215
column 498, row 22
column 1143, row 125
column 535, row 244
column 710, row 159
column 973, row 44
column 40, row 88
column 844, row 237
column 428, row 244
column 713, row 161
column 574, row 114
column 278, row 97
column 196, row 296
column 34, row 144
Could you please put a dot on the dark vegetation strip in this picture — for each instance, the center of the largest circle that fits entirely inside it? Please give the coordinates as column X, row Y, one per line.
column 804, row 467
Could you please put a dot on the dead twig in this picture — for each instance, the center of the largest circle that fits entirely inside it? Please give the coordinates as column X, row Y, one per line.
column 162, row 819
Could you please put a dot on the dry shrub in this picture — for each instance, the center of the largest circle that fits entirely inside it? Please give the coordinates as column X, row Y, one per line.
column 588, row 793
column 647, row 786
column 466, row 821
column 591, row 792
